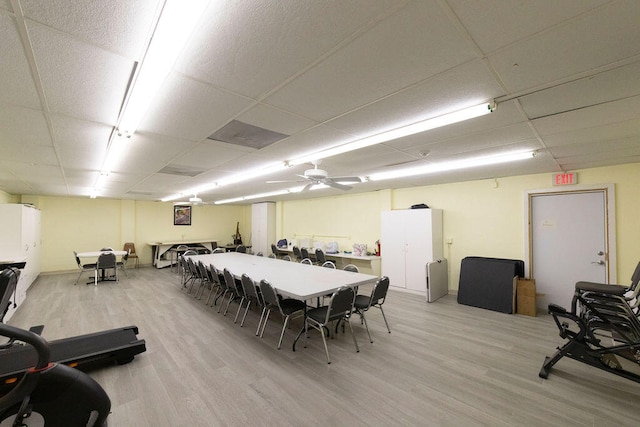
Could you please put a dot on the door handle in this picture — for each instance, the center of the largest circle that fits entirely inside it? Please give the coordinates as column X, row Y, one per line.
column 601, row 262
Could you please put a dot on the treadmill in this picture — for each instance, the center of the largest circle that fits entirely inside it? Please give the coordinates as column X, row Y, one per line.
column 84, row 352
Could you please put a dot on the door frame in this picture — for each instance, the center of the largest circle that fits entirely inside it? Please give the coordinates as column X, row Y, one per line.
column 609, row 216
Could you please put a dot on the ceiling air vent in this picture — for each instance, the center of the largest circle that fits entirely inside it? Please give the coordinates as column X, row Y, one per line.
column 246, row 135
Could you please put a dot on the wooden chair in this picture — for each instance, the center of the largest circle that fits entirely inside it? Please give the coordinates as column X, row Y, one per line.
column 131, row 248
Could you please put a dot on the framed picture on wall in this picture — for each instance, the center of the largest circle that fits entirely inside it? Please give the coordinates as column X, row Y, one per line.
column 181, row 215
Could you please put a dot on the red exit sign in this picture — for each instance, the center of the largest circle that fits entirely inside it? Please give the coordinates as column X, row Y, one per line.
column 565, row 178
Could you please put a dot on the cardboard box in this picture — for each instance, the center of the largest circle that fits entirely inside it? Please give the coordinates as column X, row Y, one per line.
column 526, row 297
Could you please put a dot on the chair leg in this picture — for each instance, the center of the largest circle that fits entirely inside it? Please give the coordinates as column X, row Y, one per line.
column 224, row 294
column 353, row 335
column 284, row 326
column 264, row 309
column 362, row 316
column 231, row 298
column 324, row 341
column 385, row 318
column 235, row 319
column 246, row 310
column 266, row 319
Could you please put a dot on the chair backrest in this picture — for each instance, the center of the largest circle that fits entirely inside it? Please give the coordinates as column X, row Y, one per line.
column 218, row 251
column 190, row 252
column 328, row 264
column 306, row 261
column 352, row 268
column 304, row 253
column 241, row 249
column 269, row 295
column 229, row 280
column 286, row 258
column 259, row 254
column 130, row 247
column 125, row 257
column 320, row 258
column 379, row 292
column 341, row 303
column 202, row 270
column 296, row 252
column 248, row 286
column 272, row 256
column 274, row 249
column 107, row 260
column 106, row 248
column 75, row 254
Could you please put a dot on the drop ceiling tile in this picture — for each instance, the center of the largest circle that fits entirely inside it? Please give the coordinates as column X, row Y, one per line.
column 81, row 142
column 571, row 48
column 16, row 84
column 311, row 140
column 276, row 120
column 189, row 109
column 148, row 153
column 461, row 87
column 70, row 70
column 393, row 55
column 608, row 86
column 121, row 26
column 518, row 18
column 596, row 134
column 615, row 148
column 19, row 125
column 250, row 48
column 604, row 114
column 209, row 154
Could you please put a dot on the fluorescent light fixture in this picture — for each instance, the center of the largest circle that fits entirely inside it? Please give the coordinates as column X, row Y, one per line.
column 421, row 126
column 454, row 165
column 234, row 179
column 256, row 196
column 175, row 25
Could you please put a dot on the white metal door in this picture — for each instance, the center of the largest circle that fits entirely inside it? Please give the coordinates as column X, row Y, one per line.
column 568, row 243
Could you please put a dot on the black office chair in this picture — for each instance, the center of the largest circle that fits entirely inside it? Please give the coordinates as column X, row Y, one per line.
column 288, row 308
column 297, row 253
column 378, row 295
column 236, row 293
column 274, row 250
column 352, row 268
column 241, row 248
column 259, row 254
column 328, row 264
column 320, row 258
column 216, row 285
column 106, row 261
column 339, row 309
column 218, row 251
column 250, row 294
column 304, row 253
column 84, row 267
column 286, row 258
column 306, row 261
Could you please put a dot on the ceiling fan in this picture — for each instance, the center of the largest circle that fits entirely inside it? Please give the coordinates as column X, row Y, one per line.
column 195, row 201
column 318, row 176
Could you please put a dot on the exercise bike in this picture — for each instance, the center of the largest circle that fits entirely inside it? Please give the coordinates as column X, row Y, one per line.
column 51, row 394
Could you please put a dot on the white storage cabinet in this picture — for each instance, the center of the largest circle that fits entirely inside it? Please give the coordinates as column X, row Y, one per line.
column 409, row 240
column 20, row 241
column 263, row 227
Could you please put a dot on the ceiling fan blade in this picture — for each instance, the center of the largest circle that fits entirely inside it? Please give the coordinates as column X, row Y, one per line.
column 332, row 183
column 283, row 181
column 308, row 187
column 346, row 178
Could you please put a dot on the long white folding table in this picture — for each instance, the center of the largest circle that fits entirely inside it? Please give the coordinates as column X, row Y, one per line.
column 300, row 281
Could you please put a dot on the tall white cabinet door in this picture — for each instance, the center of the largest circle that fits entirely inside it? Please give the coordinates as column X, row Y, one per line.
column 263, row 227
column 410, row 239
column 392, row 248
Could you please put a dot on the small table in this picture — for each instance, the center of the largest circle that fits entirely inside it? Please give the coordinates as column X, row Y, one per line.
column 96, row 254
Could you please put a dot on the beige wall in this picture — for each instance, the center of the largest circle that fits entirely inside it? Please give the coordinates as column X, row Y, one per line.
column 484, row 218
column 80, row 224
column 7, row 198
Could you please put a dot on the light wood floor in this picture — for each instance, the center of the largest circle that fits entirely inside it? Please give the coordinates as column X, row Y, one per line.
column 443, row 364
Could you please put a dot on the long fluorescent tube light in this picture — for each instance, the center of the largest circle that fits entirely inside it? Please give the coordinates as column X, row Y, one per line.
column 454, row 165
column 174, row 27
column 233, row 179
column 258, row 196
column 421, row 126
